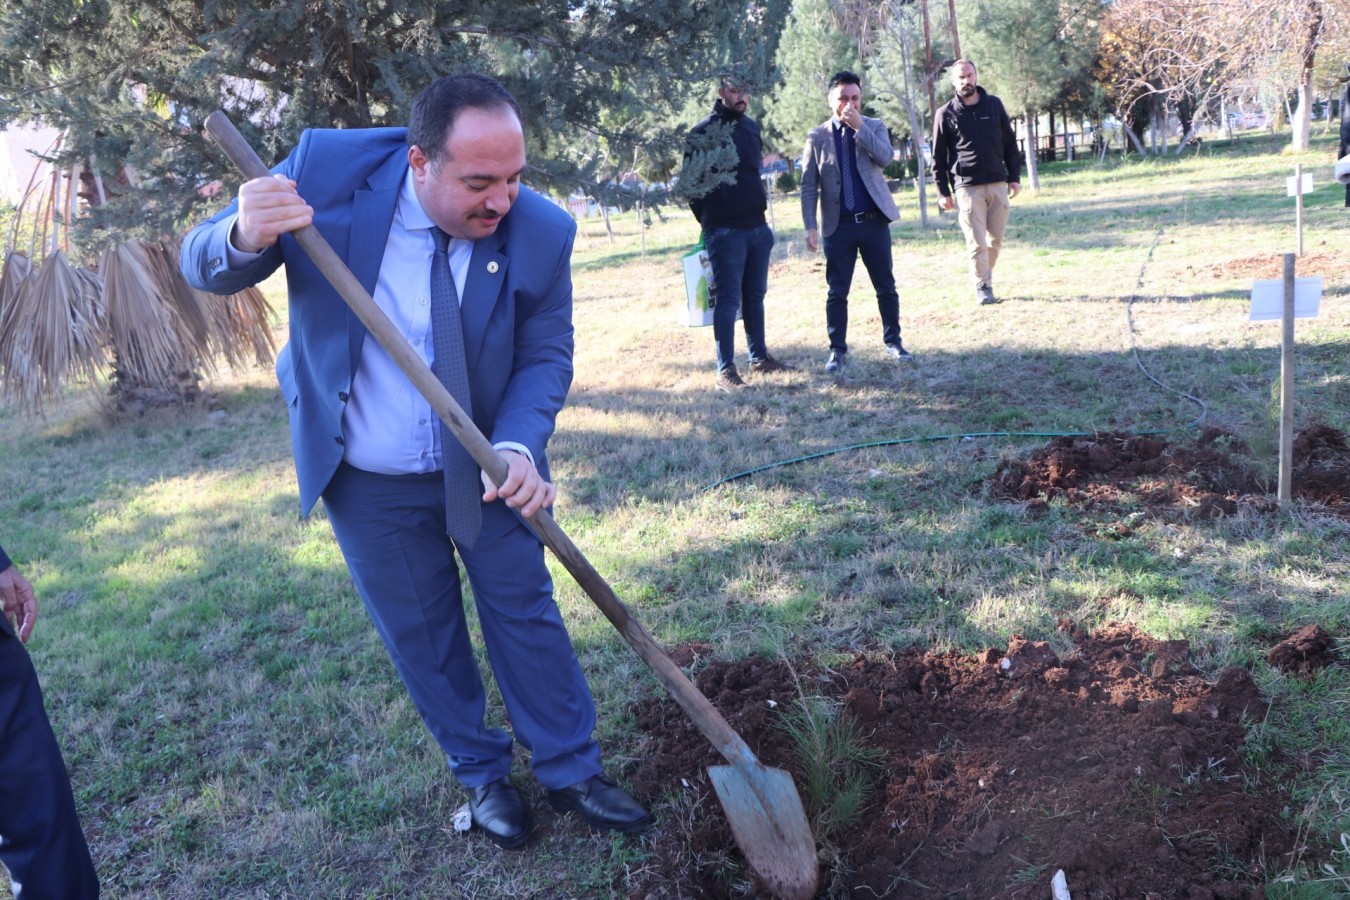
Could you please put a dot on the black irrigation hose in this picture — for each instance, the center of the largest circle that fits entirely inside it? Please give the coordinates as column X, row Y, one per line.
column 971, row 435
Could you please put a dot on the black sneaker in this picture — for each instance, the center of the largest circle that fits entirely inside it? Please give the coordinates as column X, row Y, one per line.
column 985, row 294
column 835, row 362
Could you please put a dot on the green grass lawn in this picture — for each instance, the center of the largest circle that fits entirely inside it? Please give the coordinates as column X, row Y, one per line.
column 234, row 728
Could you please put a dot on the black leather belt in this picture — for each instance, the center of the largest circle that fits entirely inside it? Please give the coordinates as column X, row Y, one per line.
column 868, row 216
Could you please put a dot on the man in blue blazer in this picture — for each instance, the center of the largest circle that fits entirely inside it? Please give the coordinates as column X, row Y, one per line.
column 367, row 443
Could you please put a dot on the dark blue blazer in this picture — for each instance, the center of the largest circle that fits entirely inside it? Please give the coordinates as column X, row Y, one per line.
column 517, row 314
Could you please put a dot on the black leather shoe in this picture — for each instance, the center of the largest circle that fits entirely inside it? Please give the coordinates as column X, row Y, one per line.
column 602, row 804
column 500, row 812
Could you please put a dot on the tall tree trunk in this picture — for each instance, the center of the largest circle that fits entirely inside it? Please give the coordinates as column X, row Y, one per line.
column 1032, row 173
column 907, row 94
column 1302, row 120
column 956, row 38
column 1134, row 139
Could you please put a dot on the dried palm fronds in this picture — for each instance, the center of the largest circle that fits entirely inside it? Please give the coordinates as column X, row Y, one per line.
column 234, row 324
column 59, row 323
column 152, row 342
column 17, row 268
column 240, row 325
column 50, row 332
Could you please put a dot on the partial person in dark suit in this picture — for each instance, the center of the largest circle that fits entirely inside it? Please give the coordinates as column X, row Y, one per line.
column 41, row 842
column 402, row 206
column 1345, row 125
column 842, row 167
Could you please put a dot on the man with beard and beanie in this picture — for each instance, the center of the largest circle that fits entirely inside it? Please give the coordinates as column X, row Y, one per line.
column 474, row 270
column 736, row 235
column 975, row 158
column 842, row 167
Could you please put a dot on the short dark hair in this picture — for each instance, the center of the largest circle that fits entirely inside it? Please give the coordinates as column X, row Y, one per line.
column 438, row 105
column 844, row 77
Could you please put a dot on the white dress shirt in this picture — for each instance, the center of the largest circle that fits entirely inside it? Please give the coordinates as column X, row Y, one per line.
column 388, row 427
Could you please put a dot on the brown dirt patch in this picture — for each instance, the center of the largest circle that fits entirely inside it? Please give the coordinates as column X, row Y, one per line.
column 1271, row 265
column 1114, row 761
column 1116, row 471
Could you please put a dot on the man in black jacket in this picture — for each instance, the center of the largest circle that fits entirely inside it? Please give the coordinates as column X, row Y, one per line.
column 736, row 236
column 41, row 842
column 975, row 157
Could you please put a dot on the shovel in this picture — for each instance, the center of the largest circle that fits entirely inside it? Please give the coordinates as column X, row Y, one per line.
column 761, row 803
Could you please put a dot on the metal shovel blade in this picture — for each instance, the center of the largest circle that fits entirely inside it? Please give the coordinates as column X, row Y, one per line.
column 766, row 817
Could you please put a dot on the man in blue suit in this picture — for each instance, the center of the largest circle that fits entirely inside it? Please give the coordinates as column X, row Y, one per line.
column 367, row 443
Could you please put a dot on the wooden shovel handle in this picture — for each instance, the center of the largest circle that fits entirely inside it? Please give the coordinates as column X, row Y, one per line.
column 697, row 706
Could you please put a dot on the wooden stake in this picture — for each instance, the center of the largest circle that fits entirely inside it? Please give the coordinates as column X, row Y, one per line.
column 1287, row 386
column 1298, row 204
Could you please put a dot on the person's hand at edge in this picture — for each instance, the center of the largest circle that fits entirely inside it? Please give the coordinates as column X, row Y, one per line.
column 18, row 602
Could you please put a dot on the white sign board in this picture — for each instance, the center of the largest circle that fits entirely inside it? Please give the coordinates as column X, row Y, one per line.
column 1292, row 187
column 1268, row 299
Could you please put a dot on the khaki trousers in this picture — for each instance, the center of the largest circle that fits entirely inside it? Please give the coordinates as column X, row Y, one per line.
column 982, row 210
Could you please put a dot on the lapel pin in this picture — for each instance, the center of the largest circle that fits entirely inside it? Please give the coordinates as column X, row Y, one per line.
column 492, row 267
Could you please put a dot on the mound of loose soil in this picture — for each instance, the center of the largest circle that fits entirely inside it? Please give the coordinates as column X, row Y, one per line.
column 1304, row 652
column 1321, row 470
column 1115, row 762
column 1111, row 471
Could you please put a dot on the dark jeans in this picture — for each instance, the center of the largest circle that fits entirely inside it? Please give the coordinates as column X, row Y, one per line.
column 872, row 241
column 740, row 264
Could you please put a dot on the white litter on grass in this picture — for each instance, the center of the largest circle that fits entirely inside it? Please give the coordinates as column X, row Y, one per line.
column 1059, row 886
column 462, row 820
column 773, row 704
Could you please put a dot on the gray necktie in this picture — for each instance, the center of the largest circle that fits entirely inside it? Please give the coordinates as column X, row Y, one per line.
column 847, row 164
column 463, row 489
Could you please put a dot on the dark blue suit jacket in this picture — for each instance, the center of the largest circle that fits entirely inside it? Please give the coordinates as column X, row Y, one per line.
column 517, row 314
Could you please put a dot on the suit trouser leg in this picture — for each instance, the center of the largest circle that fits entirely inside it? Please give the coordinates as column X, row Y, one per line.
column 41, row 842
column 841, row 258
column 972, row 213
column 391, row 530
column 875, row 250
